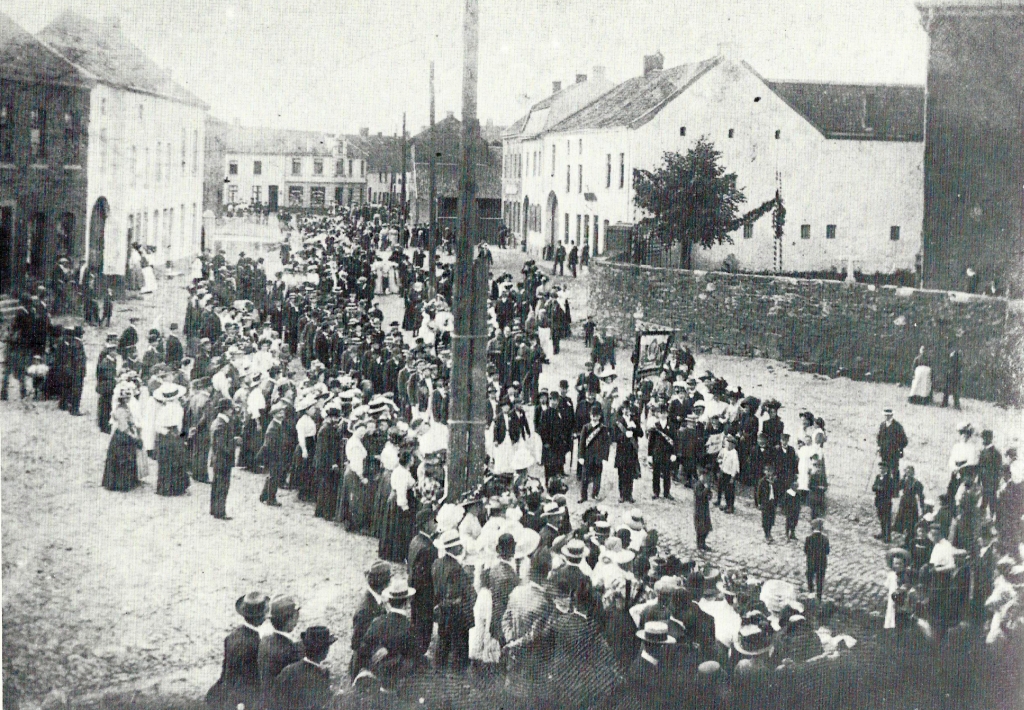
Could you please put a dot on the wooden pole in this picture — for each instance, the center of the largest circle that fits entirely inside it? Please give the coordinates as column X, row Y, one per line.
column 469, row 341
column 404, row 208
column 432, row 229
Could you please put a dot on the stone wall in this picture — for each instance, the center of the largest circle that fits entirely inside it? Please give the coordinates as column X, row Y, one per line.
column 828, row 327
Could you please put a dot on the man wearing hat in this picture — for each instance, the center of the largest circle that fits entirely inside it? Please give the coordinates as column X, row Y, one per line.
column 279, row 649
column 391, row 639
column 816, row 552
column 306, row 684
column 892, row 440
column 378, row 577
column 595, row 443
column 421, row 558
column 273, row 455
column 454, row 598
column 223, row 443
column 662, row 449
column 501, row 578
column 650, row 670
column 728, row 469
column 239, row 680
column 106, row 380
column 529, row 609
column 573, row 552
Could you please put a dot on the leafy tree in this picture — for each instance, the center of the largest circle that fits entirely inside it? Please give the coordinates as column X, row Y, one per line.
column 690, row 200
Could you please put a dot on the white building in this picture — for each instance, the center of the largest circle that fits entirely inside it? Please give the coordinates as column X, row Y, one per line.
column 284, row 168
column 846, row 159
column 145, row 143
column 383, row 155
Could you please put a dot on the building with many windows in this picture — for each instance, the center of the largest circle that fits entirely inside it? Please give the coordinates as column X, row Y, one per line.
column 297, row 169
column 384, row 167
column 99, row 148
column 846, row 159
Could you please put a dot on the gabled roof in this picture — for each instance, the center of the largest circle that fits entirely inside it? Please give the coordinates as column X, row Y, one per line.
column 548, row 112
column 857, row 111
column 274, row 141
column 382, row 153
column 636, row 101
column 24, row 58
column 106, row 54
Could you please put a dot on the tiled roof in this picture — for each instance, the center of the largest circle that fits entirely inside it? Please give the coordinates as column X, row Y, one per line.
column 856, row 111
column 546, row 113
column 487, row 175
column 275, row 141
column 106, row 54
column 25, row 58
column 383, row 153
column 635, row 101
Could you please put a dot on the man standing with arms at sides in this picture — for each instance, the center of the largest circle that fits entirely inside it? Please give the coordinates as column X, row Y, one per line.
column 279, row 649
column 454, row 598
column 422, row 555
column 222, row 458
column 106, row 379
column 559, row 266
column 952, row 381
column 595, row 442
column 574, row 259
column 892, row 440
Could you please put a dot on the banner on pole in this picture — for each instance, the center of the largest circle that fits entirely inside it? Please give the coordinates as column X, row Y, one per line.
column 650, row 351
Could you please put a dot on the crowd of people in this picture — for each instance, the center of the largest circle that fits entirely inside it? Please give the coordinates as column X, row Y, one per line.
column 297, row 375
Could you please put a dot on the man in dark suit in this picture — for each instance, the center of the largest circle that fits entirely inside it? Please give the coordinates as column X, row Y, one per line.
column 990, row 468
column 588, row 381
column 173, row 350
column 952, row 378
column 501, row 579
column 454, row 598
column 651, row 670
column 422, row 555
column 595, row 443
column 239, row 680
column 378, row 577
column 390, row 648
column 222, row 458
column 279, row 649
column 106, row 379
column 273, row 455
column 306, row 684
column 892, row 440
column 693, row 629
column 662, row 448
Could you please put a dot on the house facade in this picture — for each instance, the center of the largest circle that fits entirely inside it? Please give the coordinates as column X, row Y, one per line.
column 145, row 148
column 974, row 152
column 847, row 161
column 384, row 167
column 44, row 154
column 295, row 169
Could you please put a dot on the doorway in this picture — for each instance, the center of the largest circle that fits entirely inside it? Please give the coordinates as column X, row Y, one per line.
column 7, row 249
column 272, row 197
column 97, row 233
column 526, row 218
column 552, row 219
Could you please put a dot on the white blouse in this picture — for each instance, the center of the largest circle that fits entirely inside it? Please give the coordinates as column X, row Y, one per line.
column 169, row 415
column 401, row 481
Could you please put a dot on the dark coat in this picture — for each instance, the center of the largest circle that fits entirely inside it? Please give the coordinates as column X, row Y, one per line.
column 276, row 652
column 394, row 632
column 627, row 440
column 422, row 555
column 502, row 578
column 239, row 680
column 595, row 443
column 891, row 441
column 302, row 686
column 222, row 444
column 662, row 445
column 369, row 609
column 454, row 595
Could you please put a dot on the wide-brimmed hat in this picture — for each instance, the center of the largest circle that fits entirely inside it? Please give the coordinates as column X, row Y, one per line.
column 527, row 542
column 635, row 521
column 655, row 632
column 168, row 392
column 613, row 548
column 574, row 551
column 752, row 640
column 398, row 590
column 252, row 604
column 305, row 401
column 317, row 638
column 448, row 540
column 895, row 552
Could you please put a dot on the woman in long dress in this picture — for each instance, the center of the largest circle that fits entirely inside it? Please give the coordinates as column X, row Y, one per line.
column 172, row 454
column 305, row 450
column 921, row 387
column 388, row 461
column 121, row 473
column 400, row 514
column 354, row 512
column 503, row 446
column 327, row 463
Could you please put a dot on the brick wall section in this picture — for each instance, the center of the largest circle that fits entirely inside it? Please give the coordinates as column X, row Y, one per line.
column 824, row 326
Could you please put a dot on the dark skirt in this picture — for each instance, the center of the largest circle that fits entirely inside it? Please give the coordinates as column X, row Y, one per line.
column 121, row 471
column 172, row 465
column 251, row 440
column 396, row 531
column 199, row 449
column 355, row 500
column 381, row 492
column 327, row 494
column 302, row 472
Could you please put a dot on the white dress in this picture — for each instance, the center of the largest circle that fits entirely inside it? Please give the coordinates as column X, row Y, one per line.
column 503, row 451
column 922, row 384
column 891, row 585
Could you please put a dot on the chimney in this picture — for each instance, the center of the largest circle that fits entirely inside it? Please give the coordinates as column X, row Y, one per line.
column 581, row 78
column 380, row 134
column 653, row 62
column 598, row 72
column 556, row 86
column 364, row 132
column 451, row 114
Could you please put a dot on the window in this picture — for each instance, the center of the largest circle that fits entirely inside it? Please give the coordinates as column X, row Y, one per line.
column 6, row 134
column 595, row 229
column 145, row 169
column 71, row 139
column 622, row 170
column 134, row 158
column 805, row 231
column 748, row 231
column 256, row 193
column 732, row 132
column 528, row 164
column 579, row 181
column 318, row 167
column 339, row 168
column 350, row 173
column 257, row 167
column 579, row 226
column 195, row 154
column 362, row 172
column 586, row 229
column 894, row 233
column 568, row 178
column 297, row 170
column 232, row 194
column 140, row 112
column 339, row 192
column 682, row 130
column 103, row 107
column 38, row 134
column 778, row 135
column 233, row 168
column 295, row 195
column 184, row 140
column 317, row 195
column 66, row 233
column 553, row 148
column 830, row 231
column 566, row 226
column 608, row 172
column 581, row 146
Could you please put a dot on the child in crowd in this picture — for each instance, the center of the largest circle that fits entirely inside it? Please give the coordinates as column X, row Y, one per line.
column 38, row 371
column 790, row 506
column 816, row 550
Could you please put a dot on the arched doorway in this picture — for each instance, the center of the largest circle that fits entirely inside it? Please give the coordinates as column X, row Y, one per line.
column 97, row 230
column 552, row 218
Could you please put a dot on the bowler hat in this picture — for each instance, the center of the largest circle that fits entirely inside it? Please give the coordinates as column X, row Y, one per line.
column 317, row 638
column 282, row 608
column 398, row 591
column 252, row 604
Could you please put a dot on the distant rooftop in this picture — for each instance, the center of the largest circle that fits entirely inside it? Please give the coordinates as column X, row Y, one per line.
column 27, row 59
column 251, row 140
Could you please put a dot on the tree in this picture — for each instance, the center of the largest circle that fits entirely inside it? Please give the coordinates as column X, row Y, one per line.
column 690, row 200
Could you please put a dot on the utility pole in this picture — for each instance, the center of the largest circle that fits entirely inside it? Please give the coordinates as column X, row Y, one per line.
column 432, row 230
column 469, row 341
column 404, row 207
